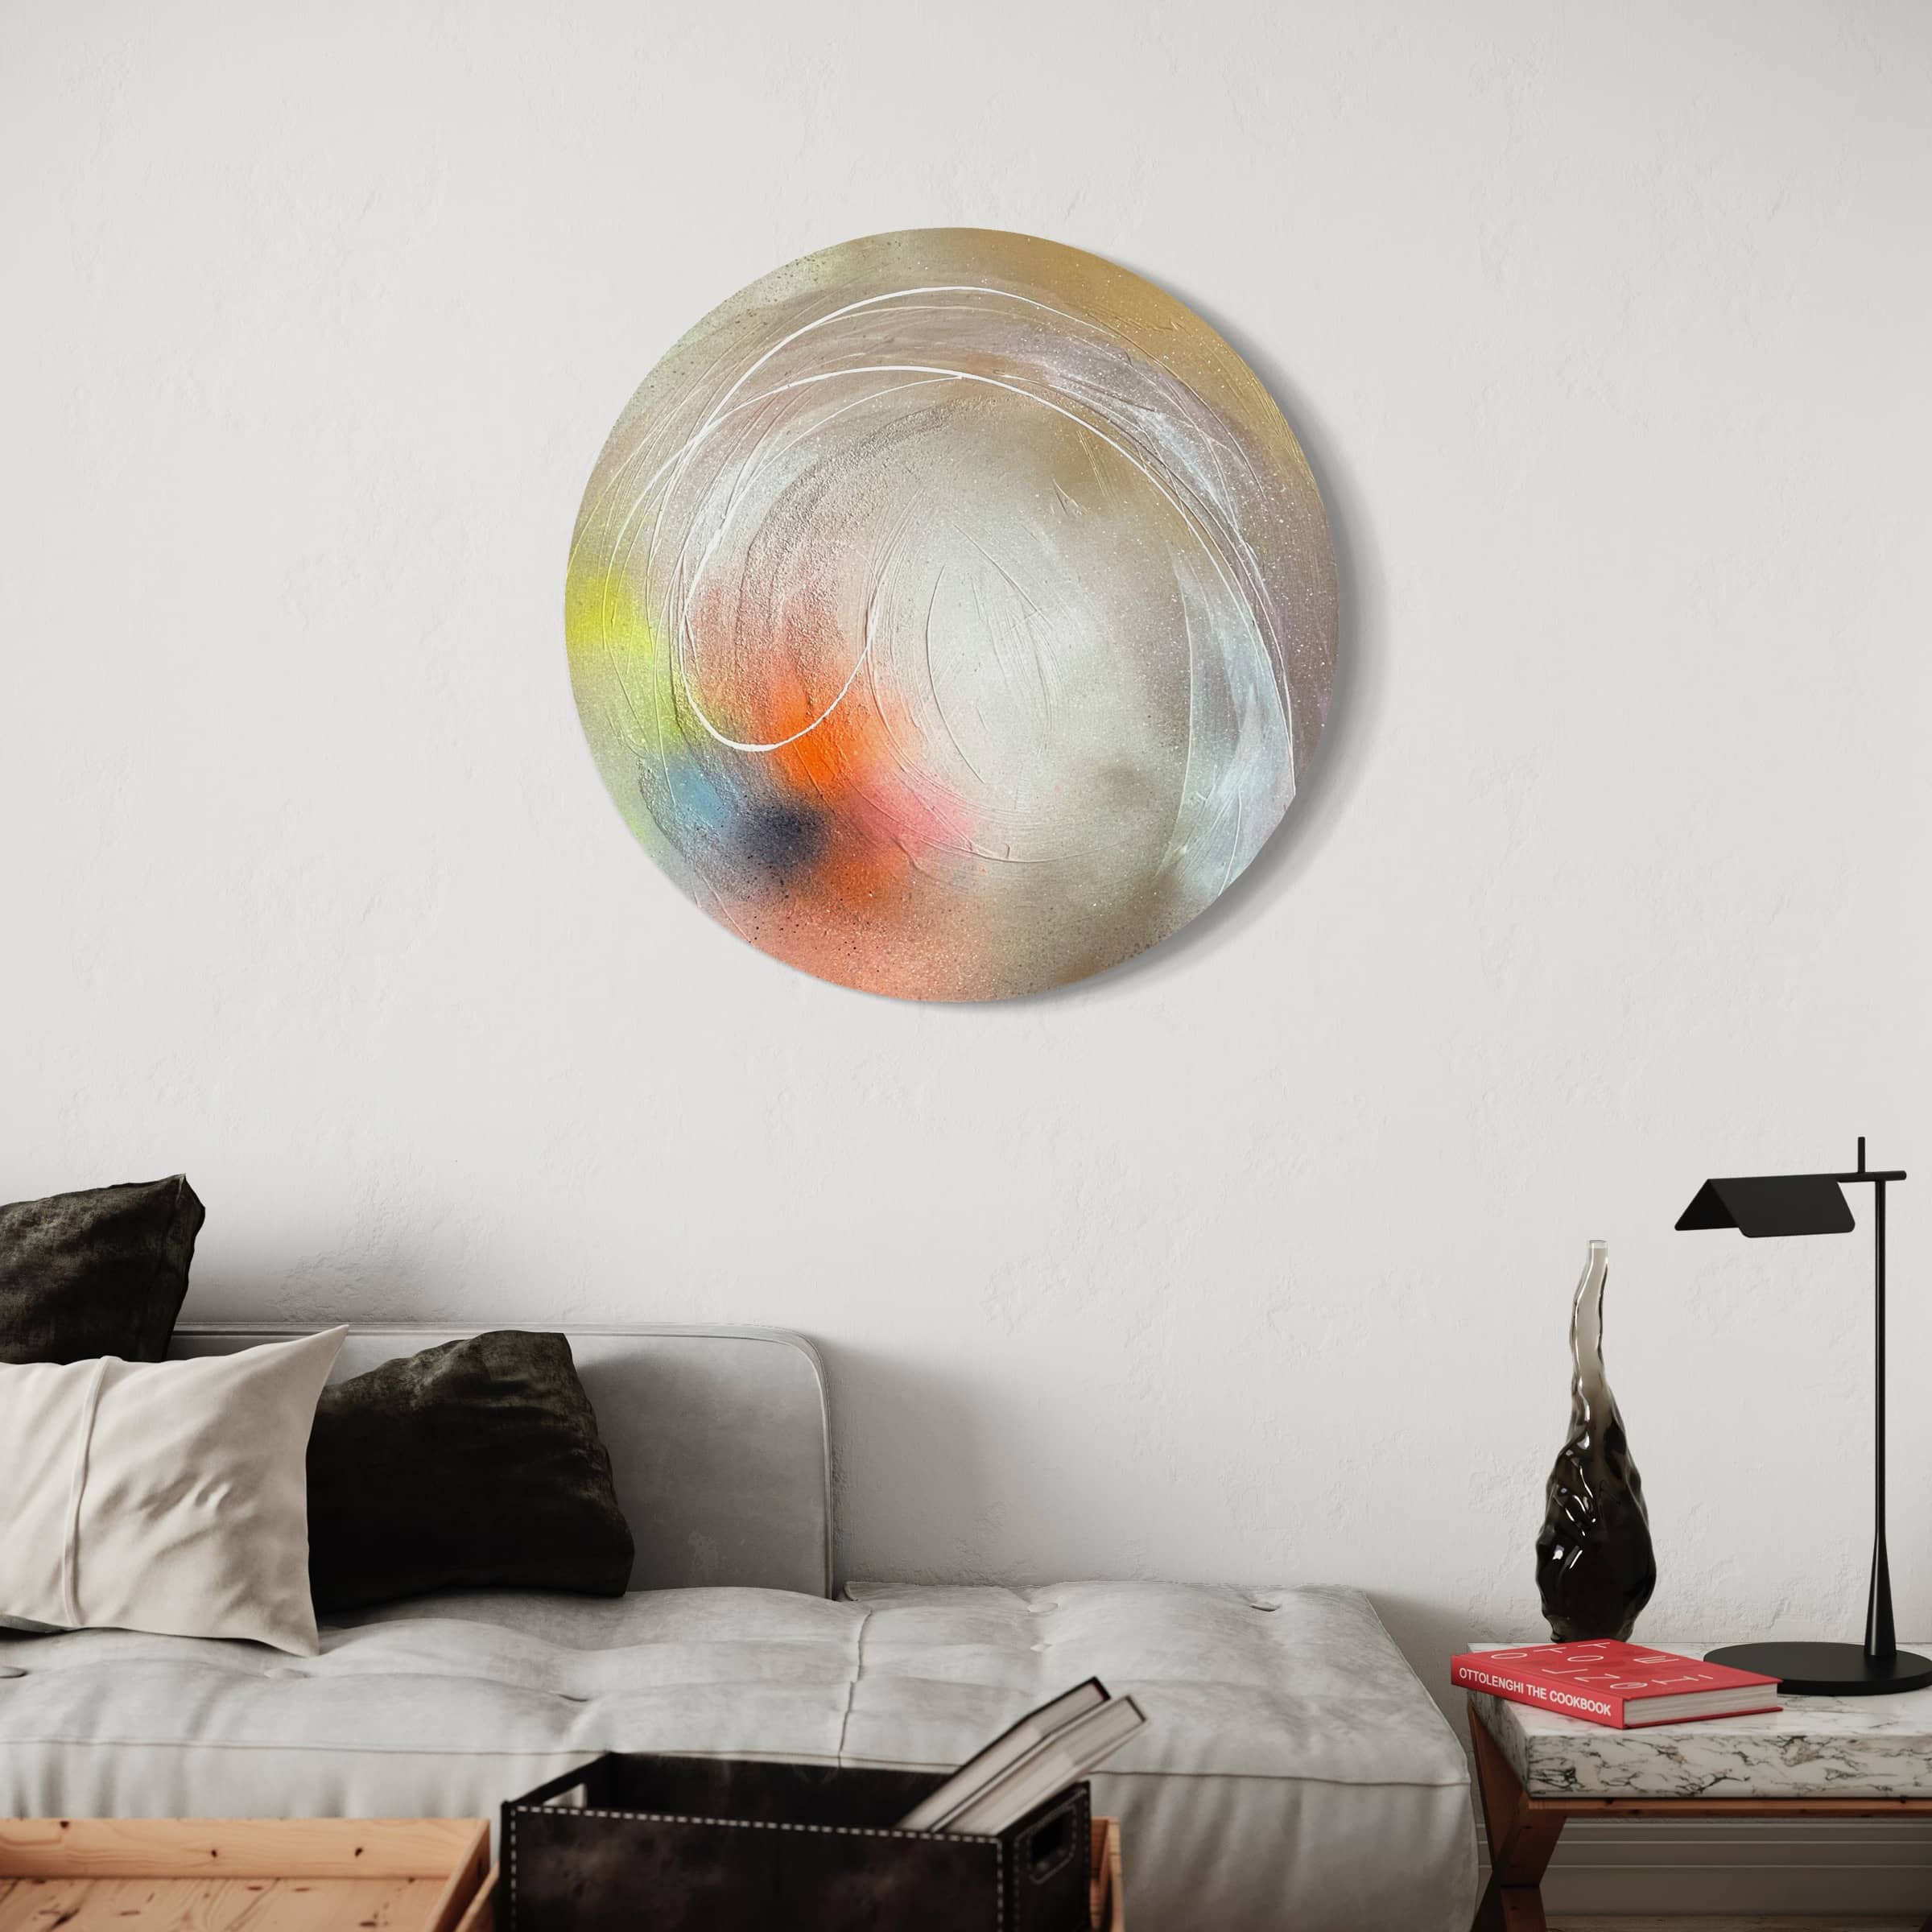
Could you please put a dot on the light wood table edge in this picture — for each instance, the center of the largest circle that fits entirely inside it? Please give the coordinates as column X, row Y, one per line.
column 472, row 1878
column 1523, row 1829
column 1107, row 1894
column 480, row 1915
column 243, row 1847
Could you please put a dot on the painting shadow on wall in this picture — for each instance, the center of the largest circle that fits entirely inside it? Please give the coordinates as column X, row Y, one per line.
column 1323, row 791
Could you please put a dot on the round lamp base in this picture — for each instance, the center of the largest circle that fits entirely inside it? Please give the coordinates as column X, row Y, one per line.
column 1828, row 1670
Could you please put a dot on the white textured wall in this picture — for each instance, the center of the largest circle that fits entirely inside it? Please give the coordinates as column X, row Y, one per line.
column 1606, row 332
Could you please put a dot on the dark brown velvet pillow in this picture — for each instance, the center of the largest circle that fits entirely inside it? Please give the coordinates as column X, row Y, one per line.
column 98, row 1273
column 473, row 1466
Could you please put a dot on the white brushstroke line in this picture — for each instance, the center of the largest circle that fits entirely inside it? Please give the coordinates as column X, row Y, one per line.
column 680, row 459
column 619, row 552
column 1188, row 519
column 776, row 744
column 681, row 456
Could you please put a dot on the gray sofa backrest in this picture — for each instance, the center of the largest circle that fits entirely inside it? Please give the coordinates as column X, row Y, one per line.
column 718, row 1439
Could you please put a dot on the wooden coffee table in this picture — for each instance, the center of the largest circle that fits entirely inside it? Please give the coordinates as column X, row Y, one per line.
column 1817, row 1757
column 248, row 1875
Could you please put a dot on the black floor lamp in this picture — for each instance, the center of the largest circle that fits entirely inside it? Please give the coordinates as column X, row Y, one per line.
column 1814, row 1203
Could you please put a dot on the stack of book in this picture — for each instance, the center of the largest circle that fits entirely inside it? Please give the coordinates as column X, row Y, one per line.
column 1047, row 1750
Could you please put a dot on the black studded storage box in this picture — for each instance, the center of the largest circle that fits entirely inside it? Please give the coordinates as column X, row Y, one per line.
column 638, row 1843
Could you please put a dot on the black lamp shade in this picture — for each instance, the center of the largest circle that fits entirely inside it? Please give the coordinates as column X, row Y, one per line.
column 1771, row 1204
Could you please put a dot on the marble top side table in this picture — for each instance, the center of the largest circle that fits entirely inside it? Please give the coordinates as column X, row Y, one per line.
column 1817, row 1757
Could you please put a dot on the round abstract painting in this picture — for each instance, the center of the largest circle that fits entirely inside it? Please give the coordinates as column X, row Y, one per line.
column 951, row 613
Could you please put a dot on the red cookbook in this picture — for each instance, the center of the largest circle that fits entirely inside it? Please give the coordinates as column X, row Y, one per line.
column 1621, row 1685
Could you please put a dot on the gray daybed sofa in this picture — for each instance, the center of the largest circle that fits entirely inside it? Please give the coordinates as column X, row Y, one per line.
column 1294, row 1774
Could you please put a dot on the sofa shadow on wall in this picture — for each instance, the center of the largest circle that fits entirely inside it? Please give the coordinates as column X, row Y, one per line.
column 920, row 1440
column 1429, row 1628
column 1321, row 793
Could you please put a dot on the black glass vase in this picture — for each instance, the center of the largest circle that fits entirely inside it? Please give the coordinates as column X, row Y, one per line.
column 1594, row 1564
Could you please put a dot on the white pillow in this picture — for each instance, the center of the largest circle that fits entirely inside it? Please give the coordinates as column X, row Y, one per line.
column 169, row 1497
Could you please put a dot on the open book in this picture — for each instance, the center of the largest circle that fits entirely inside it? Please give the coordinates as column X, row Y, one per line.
column 1047, row 1750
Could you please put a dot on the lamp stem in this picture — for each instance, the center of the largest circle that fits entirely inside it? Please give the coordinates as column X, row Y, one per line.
column 1881, row 1641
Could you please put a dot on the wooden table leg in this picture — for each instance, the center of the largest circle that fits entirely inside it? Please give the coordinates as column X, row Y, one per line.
column 1521, row 1838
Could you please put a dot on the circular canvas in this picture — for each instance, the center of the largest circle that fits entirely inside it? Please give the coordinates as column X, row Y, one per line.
column 951, row 612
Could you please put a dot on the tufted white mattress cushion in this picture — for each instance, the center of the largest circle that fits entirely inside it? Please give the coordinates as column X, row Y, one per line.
column 1293, row 1773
